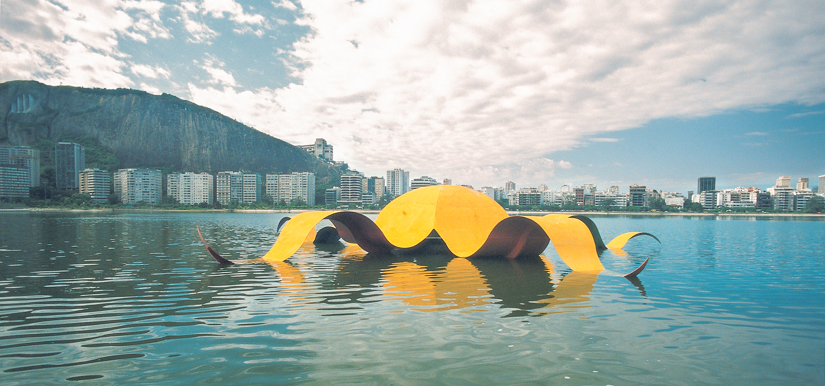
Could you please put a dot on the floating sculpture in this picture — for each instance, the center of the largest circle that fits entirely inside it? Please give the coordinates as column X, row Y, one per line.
column 468, row 223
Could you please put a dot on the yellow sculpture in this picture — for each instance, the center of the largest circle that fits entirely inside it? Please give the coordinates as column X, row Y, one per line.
column 469, row 223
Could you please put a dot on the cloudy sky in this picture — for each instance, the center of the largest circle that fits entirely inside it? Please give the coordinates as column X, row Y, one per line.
column 656, row 93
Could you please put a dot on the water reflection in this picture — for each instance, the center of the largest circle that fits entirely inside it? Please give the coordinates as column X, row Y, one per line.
column 434, row 282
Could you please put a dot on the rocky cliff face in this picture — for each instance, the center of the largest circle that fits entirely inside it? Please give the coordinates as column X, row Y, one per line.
column 144, row 130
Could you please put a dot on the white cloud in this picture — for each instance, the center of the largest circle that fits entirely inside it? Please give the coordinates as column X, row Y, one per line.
column 479, row 92
column 149, row 71
column 217, row 8
column 452, row 87
column 756, row 133
column 217, row 74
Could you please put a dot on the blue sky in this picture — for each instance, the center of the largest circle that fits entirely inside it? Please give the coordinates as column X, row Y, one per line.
column 481, row 92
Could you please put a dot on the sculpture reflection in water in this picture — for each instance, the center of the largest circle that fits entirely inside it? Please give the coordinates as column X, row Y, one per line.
column 459, row 223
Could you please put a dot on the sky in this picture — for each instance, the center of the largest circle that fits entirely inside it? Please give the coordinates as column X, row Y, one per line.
column 655, row 93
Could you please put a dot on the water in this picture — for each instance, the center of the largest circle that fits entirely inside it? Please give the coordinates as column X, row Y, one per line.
column 134, row 298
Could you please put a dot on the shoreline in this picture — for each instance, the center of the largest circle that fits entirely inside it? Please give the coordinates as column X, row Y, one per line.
column 372, row 211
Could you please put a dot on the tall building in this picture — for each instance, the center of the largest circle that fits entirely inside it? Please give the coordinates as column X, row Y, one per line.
column 351, row 188
column 251, row 190
column 14, row 181
column 398, row 182
column 332, row 195
column 96, row 184
column 191, row 188
column 783, row 182
column 296, row 185
column 229, row 187
column 271, row 184
column 509, row 187
column 822, row 184
column 705, row 184
column 23, row 156
column 638, row 195
column 373, row 185
column 69, row 160
column 422, row 182
column 320, row 149
column 138, row 185
column 579, row 193
column 802, row 184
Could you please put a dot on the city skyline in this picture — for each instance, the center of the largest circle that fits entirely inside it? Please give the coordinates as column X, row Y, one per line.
column 480, row 93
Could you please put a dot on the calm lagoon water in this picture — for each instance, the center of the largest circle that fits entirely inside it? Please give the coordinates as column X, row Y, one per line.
column 135, row 299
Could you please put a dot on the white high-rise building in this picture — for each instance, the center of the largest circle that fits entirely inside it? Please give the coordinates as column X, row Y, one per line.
column 229, row 187
column 351, row 192
column 271, row 184
column 191, row 188
column 822, row 184
column 138, row 185
column 398, row 182
column 802, row 184
column 251, row 188
column 296, row 185
column 96, row 184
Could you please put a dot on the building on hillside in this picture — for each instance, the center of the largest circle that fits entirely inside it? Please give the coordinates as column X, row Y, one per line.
column 229, row 187
column 398, row 182
column 138, row 185
column 96, row 183
column 251, row 187
column 422, row 182
column 69, row 161
column 351, row 184
column 14, row 181
column 23, row 156
column 637, row 196
column 191, row 188
column 320, row 149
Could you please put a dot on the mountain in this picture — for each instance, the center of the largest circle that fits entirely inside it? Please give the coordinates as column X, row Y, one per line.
column 144, row 130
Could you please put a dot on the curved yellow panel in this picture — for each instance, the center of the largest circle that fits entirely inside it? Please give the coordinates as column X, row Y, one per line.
column 296, row 230
column 621, row 240
column 464, row 218
column 572, row 240
column 469, row 223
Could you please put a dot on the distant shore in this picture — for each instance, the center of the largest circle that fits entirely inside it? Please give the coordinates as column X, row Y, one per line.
column 372, row 211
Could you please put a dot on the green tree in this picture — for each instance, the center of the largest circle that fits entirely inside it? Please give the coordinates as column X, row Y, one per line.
column 816, row 205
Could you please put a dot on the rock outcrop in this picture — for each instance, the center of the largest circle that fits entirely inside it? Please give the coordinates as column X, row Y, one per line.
column 145, row 130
